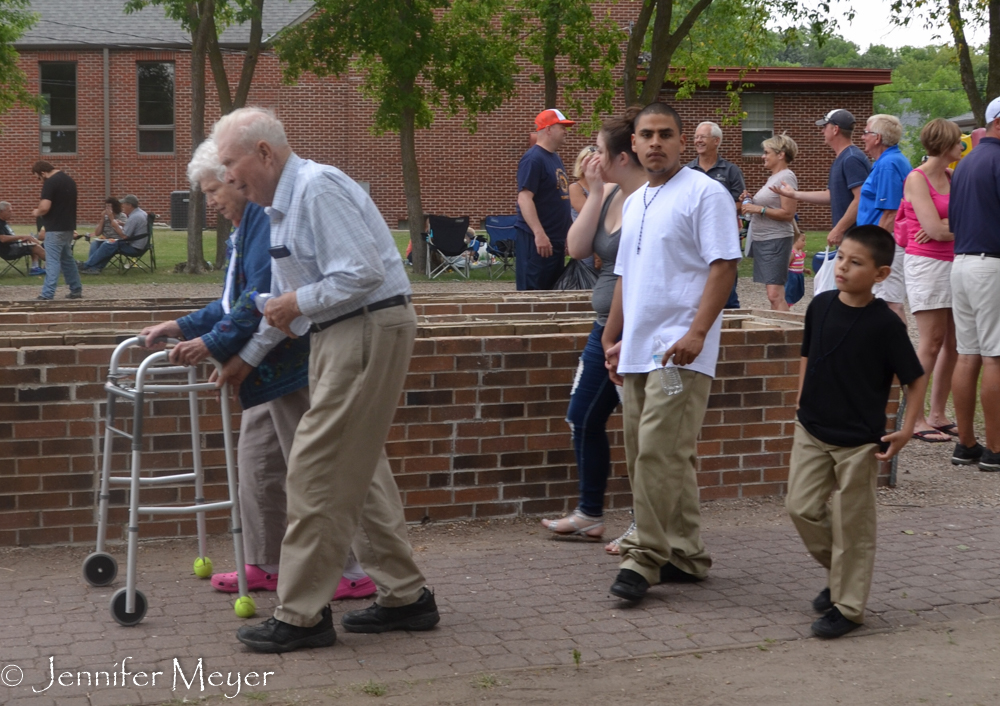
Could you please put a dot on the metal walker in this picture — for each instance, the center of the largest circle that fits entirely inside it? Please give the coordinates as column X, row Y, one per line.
column 128, row 604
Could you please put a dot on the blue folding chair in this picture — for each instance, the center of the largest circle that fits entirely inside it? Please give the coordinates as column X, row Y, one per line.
column 501, row 244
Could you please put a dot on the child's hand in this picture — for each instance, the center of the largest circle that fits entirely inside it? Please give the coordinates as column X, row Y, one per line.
column 896, row 440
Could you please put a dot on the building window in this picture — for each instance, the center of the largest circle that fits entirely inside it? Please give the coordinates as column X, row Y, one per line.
column 156, row 106
column 758, row 125
column 58, row 129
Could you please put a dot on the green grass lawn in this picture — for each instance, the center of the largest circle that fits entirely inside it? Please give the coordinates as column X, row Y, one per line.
column 171, row 249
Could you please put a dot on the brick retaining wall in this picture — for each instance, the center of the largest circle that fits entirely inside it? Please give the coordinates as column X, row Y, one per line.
column 480, row 430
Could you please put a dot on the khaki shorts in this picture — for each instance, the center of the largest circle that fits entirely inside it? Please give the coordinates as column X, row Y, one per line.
column 893, row 288
column 928, row 283
column 975, row 287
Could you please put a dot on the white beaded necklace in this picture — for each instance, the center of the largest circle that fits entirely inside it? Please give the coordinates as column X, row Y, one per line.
column 645, row 206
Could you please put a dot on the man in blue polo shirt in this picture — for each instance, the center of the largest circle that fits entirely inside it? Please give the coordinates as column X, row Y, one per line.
column 543, row 209
column 974, row 215
column 880, row 197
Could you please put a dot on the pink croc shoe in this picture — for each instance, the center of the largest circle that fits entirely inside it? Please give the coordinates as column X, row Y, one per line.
column 257, row 580
column 358, row 588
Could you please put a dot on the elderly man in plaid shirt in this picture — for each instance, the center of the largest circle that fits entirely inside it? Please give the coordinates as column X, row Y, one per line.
column 335, row 263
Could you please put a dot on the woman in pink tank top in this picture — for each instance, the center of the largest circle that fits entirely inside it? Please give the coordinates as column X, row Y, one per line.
column 922, row 229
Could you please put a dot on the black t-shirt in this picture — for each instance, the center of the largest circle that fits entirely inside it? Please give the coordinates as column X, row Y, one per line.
column 5, row 230
column 541, row 172
column 60, row 189
column 853, row 355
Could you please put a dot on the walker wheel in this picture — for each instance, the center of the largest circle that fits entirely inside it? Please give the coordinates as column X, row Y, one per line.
column 118, row 608
column 100, row 569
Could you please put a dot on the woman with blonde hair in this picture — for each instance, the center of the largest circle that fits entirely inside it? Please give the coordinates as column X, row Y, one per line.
column 922, row 229
column 771, row 230
column 579, row 190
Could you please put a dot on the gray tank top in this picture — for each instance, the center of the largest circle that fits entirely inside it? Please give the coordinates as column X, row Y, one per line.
column 606, row 246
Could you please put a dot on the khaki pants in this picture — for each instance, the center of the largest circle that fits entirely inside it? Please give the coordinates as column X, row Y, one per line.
column 266, row 434
column 339, row 481
column 661, row 435
column 842, row 540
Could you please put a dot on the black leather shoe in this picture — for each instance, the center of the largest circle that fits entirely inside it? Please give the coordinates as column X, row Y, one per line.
column 671, row 574
column 822, row 602
column 629, row 585
column 833, row 624
column 274, row 635
column 421, row 615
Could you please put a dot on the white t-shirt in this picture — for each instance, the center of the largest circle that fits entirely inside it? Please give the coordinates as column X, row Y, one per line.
column 688, row 225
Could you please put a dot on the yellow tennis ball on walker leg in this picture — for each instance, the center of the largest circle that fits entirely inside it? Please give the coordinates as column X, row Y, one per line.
column 245, row 607
column 203, row 567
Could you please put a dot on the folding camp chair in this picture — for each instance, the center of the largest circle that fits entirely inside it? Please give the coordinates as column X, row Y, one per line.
column 447, row 238
column 501, row 244
column 146, row 257
column 15, row 263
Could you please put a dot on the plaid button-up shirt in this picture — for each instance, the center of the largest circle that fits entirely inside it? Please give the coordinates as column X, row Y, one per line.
column 341, row 255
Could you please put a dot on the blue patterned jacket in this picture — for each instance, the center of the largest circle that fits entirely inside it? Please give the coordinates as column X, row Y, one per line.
column 286, row 367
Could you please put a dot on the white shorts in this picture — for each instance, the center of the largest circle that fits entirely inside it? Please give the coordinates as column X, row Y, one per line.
column 975, row 287
column 928, row 283
column 893, row 288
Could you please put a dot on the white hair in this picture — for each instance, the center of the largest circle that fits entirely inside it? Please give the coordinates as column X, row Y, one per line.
column 205, row 164
column 250, row 126
column 4, row 206
column 716, row 131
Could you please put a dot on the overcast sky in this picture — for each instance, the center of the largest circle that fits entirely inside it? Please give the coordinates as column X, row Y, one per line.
column 871, row 25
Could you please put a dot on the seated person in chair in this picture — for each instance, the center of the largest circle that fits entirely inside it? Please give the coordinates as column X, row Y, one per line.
column 14, row 246
column 130, row 239
column 105, row 231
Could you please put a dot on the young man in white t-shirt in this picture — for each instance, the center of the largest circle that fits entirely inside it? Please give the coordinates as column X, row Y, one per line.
column 677, row 260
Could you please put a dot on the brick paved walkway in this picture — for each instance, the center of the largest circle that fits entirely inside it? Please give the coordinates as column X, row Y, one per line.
column 531, row 602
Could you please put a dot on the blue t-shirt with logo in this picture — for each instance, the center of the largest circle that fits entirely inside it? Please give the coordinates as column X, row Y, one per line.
column 849, row 169
column 541, row 172
column 883, row 189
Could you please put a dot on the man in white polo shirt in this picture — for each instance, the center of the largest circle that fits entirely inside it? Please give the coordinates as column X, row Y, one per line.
column 677, row 260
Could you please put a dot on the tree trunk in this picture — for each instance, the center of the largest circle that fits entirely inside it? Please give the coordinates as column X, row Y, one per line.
column 637, row 34
column 965, row 62
column 199, row 49
column 549, row 63
column 411, row 187
column 665, row 44
column 993, row 65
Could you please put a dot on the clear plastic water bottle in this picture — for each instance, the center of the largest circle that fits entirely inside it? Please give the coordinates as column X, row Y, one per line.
column 670, row 376
column 747, row 201
column 300, row 326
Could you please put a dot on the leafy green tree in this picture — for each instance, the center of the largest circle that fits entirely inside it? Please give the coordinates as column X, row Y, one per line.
column 957, row 16
column 547, row 30
column 205, row 20
column 15, row 19
column 413, row 56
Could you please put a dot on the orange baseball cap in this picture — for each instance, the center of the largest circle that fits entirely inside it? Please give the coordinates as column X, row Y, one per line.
column 551, row 117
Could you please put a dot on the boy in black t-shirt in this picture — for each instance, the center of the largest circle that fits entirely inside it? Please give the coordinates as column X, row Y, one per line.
column 853, row 347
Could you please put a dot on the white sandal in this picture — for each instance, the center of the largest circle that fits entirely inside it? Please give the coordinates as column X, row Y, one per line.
column 583, row 526
column 612, row 547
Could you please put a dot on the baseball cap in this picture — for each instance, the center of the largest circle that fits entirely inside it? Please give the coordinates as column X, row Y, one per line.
column 551, row 117
column 130, row 199
column 839, row 117
column 993, row 110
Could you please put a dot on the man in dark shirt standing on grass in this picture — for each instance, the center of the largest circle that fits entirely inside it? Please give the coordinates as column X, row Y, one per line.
column 974, row 215
column 57, row 208
column 543, row 213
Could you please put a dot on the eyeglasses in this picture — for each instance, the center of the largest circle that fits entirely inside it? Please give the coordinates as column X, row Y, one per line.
column 869, row 132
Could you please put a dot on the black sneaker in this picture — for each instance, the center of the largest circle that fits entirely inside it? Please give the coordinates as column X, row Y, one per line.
column 966, row 455
column 822, row 602
column 421, row 615
column 833, row 624
column 989, row 461
column 43, row 298
column 274, row 635
column 671, row 574
column 75, row 295
column 629, row 585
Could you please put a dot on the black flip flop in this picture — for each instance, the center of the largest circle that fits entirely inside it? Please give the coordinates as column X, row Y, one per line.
column 922, row 435
column 949, row 429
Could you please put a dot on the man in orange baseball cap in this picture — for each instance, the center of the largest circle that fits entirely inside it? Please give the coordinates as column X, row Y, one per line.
column 543, row 209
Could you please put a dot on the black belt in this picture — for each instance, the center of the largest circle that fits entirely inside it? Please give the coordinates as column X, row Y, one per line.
column 995, row 255
column 398, row 300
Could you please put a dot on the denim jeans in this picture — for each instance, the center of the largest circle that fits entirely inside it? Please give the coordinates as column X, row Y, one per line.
column 593, row 399
column 59, row 256
column 102, row 254
column 531, row 270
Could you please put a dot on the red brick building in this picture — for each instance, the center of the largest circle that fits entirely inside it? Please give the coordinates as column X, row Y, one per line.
column 119, row 115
